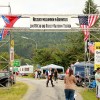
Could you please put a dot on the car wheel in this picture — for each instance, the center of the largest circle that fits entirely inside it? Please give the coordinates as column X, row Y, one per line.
column 8, row 84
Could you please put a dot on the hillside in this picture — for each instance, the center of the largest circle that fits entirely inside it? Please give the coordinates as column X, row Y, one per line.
column 26, row 47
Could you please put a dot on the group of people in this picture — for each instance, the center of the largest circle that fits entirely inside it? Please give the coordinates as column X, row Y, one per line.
column 37, row 74
column 70, row 83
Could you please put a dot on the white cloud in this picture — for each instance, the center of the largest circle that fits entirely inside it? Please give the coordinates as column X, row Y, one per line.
column 44, row 6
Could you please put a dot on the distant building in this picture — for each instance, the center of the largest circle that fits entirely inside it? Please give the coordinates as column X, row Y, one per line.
column 26, row 69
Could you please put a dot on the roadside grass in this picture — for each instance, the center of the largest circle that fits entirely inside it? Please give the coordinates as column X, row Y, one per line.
column 89, row 94
column 15, row 92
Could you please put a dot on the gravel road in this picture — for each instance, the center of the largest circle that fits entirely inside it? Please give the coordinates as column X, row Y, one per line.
column 38, row 90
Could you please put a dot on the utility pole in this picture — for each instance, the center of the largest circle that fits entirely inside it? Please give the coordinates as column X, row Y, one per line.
column 9, row 8
column 9, row 12
column 10, row 42
column 11, row 45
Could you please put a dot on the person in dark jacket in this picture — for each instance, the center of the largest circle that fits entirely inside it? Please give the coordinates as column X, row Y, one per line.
column 55, row 75
column 50, row 76
column 39, row 74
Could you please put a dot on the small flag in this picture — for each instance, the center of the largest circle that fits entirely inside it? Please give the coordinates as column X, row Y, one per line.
column 9, row 22
column 91, row 47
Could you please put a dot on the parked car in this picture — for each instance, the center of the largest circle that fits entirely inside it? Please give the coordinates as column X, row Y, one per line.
column 61, row 76
column 6, row 78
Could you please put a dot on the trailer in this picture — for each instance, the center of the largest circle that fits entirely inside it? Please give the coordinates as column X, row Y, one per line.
column 26, row 69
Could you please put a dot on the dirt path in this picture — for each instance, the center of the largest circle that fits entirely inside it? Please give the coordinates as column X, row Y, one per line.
column 38, row 90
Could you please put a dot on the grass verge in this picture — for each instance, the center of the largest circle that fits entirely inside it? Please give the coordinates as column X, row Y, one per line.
column 89, row 94
column 15, row 92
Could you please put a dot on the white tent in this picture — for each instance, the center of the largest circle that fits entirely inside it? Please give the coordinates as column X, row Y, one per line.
column 53, row 67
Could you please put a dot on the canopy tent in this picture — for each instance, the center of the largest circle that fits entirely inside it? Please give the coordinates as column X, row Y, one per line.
column 53, row 67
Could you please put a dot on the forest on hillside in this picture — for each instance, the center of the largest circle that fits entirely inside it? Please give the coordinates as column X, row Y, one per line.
column 60, row 45
column 62, row 48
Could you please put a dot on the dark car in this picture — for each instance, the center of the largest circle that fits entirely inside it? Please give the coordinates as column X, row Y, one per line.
column 6, row 79
column 61, row 76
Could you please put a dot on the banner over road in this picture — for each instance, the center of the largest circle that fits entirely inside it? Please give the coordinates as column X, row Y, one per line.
column 50, row 22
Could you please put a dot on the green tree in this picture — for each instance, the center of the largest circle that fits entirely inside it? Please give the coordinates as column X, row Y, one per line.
column 25, row 61
column 4, row 60
column 90, row 8
column 48, row 56
column 74, row 48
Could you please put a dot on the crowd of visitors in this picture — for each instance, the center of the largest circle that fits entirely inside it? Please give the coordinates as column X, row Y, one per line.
column 70, row 81
column 37, row 74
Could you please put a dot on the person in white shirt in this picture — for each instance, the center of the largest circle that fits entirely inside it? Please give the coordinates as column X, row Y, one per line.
column 97, row 78
column 36, row 74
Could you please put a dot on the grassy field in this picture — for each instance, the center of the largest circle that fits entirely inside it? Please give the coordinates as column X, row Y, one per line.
column 89, row 94
column 15, row 92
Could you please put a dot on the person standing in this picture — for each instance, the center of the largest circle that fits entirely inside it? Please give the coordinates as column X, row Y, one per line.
column 69, row 82
column 97, row 78
column 46, row 73
column 50, row 76
column 55, row 75
column 36, row 74
column 39, row 74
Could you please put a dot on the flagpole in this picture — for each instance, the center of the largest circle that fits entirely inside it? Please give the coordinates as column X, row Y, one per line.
column 10, row 36
column 88, row 52
column 11, row 49
column 11, row 52
column 89, row 39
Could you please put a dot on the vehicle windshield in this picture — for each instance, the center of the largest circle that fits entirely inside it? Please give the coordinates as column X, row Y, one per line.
column 80, row 71
column 2, row 74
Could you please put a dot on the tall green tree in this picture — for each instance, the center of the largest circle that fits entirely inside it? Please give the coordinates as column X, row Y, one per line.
column 90, row 7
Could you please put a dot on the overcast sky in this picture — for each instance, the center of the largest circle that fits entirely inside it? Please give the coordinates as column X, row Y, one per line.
column 42, row 7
